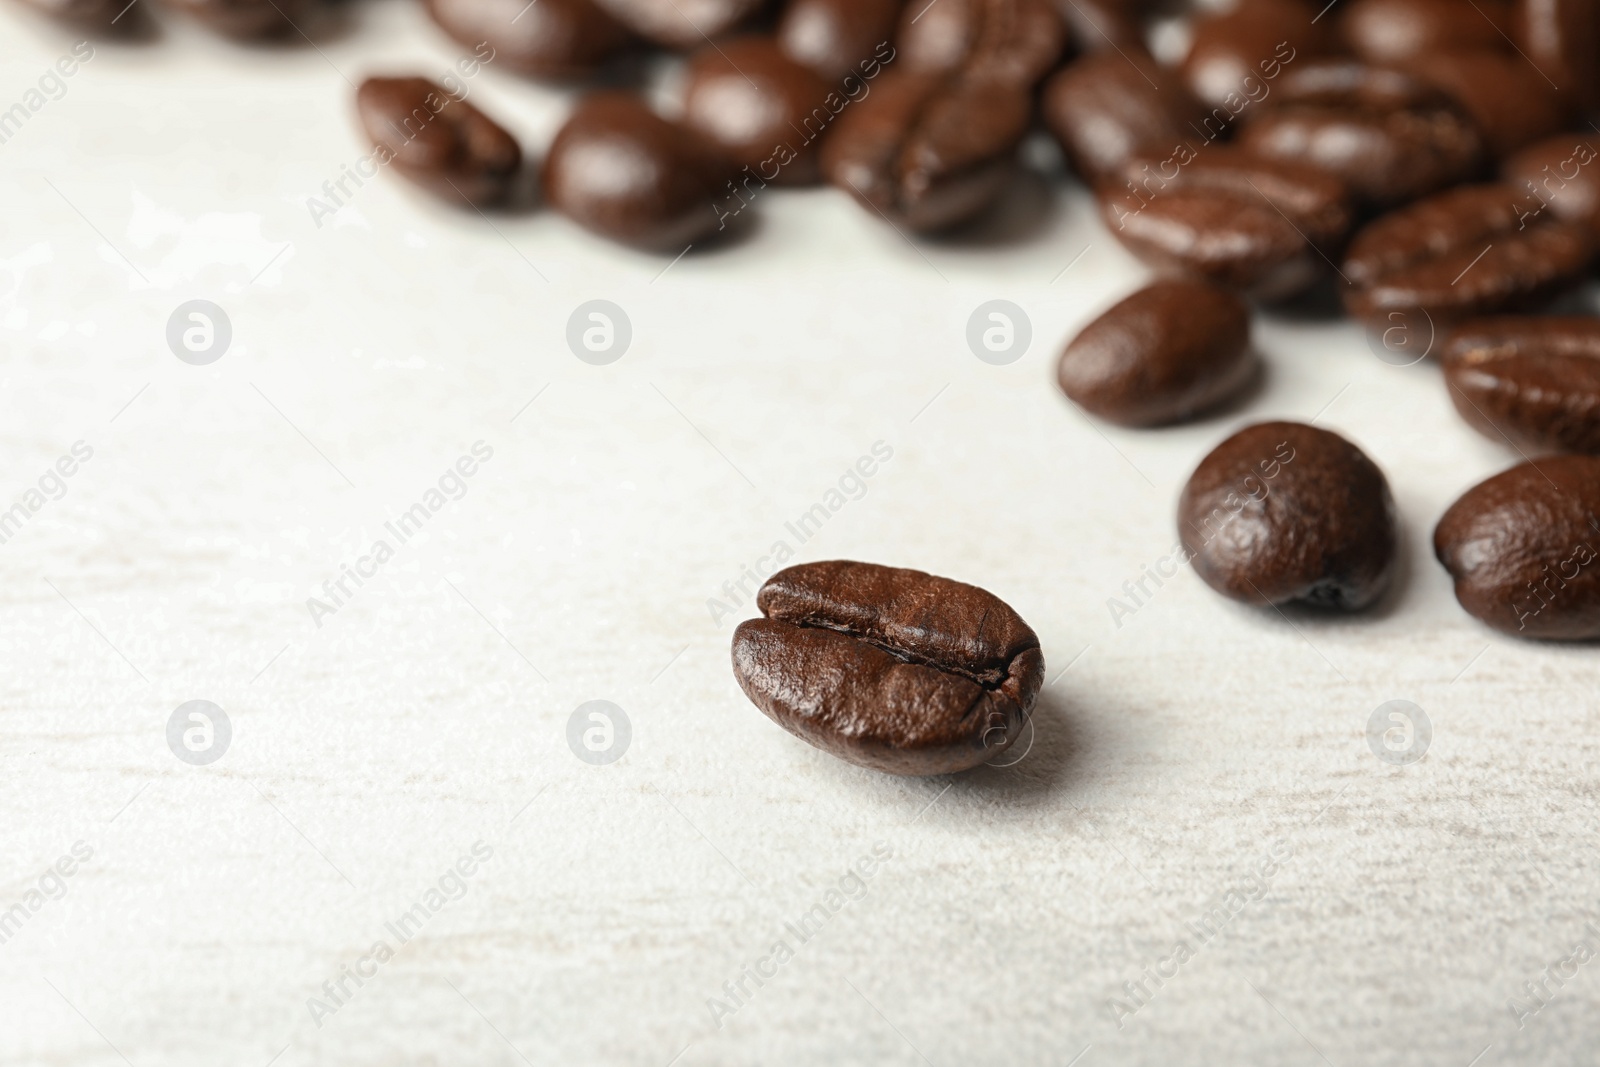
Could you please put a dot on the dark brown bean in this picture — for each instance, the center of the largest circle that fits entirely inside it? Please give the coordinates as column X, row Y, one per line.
column 763, row 109
column 1522, row 549
column 1233, row 55
column 1104, row 25
column 1106, row 107
column 624, row 172
column 1163, row 355
column 247, row 20
column 1282, row 512
column 1258, row 226
column 1560, row 176
column 1510, row 102
column 836, row 37
column 1461, row 253
column 1013, row 40
column 927, row 152
column 892, row 669
column 681, row 24
column 1393, row 31
column 561, row 39
column 1562, row 39
column 440, row 142
column 1389, row 137
column 99, row 17
column 1534, row 382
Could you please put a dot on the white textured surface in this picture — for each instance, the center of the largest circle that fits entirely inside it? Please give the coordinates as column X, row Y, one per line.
column 370, row 753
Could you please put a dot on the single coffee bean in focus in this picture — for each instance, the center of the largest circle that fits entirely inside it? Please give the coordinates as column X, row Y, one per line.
column 1283, row 512
column 441, row 143
column 888, row 668
column 1530, row 382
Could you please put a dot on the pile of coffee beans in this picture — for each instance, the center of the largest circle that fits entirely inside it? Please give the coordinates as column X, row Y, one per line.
column 1430, row 166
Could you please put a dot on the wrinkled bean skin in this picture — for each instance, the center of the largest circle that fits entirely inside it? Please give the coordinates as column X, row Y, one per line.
column 926, row 152
column 1257, row 226
column 1522, row 548
column 1252, row 41
column 1393, row 31
column 751, row 101
column 835, row 37
column 624, row 172
column 1387, row 136
column 680, row 24
column 1560, row 175
column 1503, row 95
column 443, row 144
column 1562, row 38
column 1106, row 107
column 1534, row 382
column 888, row 668
column 553, row 39
column 1014, row 40
column 1163, row 355
column 1283, row 512
column 1458, row 254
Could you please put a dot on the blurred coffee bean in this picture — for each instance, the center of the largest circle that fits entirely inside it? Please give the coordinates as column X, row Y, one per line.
column 836, row 37
column 1282, row 512
column 1393, row 31
column 439, row 141
column 1562, row 39
column 1104, row 25
column 1533, row 382
column 246, row 20
column 681, row 24
column 1460, row 253
column 1511, row 103
column 1013, row 40
column 100, row 17
column 1389, row 137
column 764, row 110
column 891, row 669
column 550, row 39
column 619, row 169
column 1163, row 355
column 1233, row 56
column 1522, row 548
column 1261, row 227
column 1559, row 175
column 1104, row 108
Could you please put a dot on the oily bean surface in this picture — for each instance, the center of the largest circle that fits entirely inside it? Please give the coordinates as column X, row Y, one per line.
column 441, row 143
column 889, row 668
column 1393, row 31
column 557, row 39
column 835, row 37
column 1283, row 512
column 1168, row 352
column 1531, row 381
column 1508, row 100
column 1458, row 254
column 1562, row 38
column 1522, row 547
column 624, row 172
column 1232, row 52
column 1560, row 175
column 1104, row 108
column 762, row 109
column 1011, row 40
column 681, row 24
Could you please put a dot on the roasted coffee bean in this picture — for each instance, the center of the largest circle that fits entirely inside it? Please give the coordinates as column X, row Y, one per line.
column 1282, row 512
column 1561, row 176
column 1461, row 253
column 1532, row 382
column 1389, row 137
column 438, row 141
column 561, row 39
column 247, row 20
column 928, row 153
column 764, row 110
column 1522, row 549
column 1393, row 31
column 1562, row 38
column 1259, row 226
column 1012, row 40
column 891, row 669
column 837, row 37
column 681, row 24
column 1234, row 56
column 1509, row 101
column 624, row 172
column 90, row 16
column 1106, row 107
column 1162, row 355
column 1104, row 25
